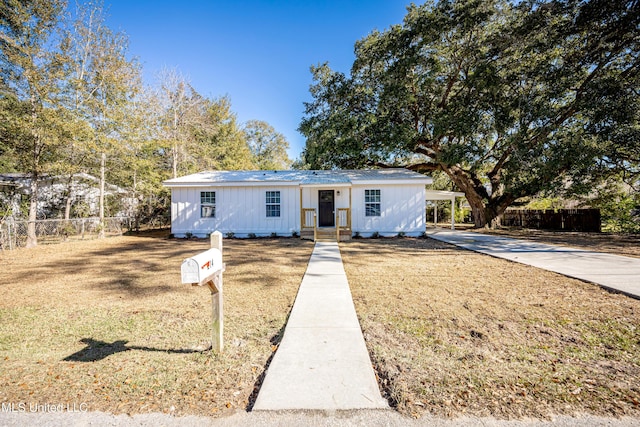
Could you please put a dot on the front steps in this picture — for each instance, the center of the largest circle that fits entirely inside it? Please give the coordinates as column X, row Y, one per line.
column 327, row 234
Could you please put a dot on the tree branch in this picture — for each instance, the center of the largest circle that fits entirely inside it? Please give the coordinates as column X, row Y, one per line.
column 494, row 173
column 424, row 167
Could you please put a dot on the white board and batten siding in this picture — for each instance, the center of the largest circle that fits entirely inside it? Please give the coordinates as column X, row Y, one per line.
column 239, row 210
column 402, row 209
column 241, row 205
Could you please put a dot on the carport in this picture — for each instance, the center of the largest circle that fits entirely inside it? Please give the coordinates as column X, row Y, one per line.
column 435, row 195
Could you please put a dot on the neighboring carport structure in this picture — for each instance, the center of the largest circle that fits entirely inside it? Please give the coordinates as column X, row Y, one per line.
column 435, row 195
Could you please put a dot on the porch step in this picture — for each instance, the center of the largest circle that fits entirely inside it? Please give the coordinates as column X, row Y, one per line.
column 326, row 235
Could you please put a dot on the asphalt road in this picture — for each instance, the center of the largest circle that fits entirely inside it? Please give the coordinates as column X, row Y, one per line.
column 368, row 418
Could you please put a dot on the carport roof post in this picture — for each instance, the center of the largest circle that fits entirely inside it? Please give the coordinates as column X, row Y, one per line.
column 444, row 195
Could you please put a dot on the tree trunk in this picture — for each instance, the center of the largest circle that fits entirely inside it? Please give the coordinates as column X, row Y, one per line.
column 134, row 199
column 32, row 238
column 485, row 215
column 67, row 208
column 69, row 194
column 477, row 211
column 174, row 160
column 486, row 210
column 103, row 160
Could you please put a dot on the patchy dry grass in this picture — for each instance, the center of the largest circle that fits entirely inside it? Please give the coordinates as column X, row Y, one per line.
column 453, row 332
column 107, row 323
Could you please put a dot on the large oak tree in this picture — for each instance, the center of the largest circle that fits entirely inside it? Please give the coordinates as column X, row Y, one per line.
column 508, row 100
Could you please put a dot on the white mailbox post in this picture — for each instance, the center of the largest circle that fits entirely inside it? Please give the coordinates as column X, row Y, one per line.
column 206, row 268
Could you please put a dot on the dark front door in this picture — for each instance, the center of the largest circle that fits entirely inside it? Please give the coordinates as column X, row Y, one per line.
column 326, row 208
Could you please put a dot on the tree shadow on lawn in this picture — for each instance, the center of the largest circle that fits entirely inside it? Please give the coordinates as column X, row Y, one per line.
column 98, row 350
column 163, row 233
column 277, row 256
column 125, row 268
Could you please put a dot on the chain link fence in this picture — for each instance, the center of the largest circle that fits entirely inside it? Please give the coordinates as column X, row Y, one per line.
column 13, row 234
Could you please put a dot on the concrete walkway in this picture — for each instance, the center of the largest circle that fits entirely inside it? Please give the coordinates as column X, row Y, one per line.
column 322, row 362
column 613, row 272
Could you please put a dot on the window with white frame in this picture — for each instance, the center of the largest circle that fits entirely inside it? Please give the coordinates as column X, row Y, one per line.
column 207, row 204
column 273, row 204
column 372, row 202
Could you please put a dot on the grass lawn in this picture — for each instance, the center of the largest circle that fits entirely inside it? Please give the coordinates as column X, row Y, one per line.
column 108, row 324
column 454, row 332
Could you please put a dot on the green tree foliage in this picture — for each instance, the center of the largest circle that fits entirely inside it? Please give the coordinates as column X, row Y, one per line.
column 72, row 101
column 182, row 110
column 220, row 142
column 268, row 147
column 31, row 72
column 198, row 133
column 508, row 100
column 105, row 81
column 619, row 204
column 101, row 84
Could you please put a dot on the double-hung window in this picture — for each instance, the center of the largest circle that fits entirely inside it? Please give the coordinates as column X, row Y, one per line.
column 273, row 204
column 207, row 204
column 372, row 202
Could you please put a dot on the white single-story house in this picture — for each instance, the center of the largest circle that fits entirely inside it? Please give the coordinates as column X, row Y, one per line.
column 310, row 203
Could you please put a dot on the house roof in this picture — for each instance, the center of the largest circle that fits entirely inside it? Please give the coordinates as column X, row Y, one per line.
column 300, row 178
column 442, row 195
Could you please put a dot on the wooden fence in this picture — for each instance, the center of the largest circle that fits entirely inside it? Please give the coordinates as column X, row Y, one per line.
column 560, row 219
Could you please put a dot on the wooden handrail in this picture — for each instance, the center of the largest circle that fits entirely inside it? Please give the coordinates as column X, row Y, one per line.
column 339, row 221
column 307, row 223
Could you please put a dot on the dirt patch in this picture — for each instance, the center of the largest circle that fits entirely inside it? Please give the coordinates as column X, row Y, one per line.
column 452, row 332
column 106, row 324
column 619, row 244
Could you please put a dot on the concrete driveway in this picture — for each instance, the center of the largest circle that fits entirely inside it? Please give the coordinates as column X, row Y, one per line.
column 614, row 272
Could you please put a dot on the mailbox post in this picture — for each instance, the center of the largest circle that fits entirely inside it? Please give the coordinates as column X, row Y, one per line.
column 206, row 268
column 217, row 318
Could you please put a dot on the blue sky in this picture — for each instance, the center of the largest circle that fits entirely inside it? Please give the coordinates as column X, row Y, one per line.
column 256, row 52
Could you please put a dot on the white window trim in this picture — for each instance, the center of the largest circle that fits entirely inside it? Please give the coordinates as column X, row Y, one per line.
column 269, row 203
column 208, row 205
column 372, row 205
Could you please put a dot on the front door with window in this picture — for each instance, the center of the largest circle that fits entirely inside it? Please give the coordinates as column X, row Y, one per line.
column 326, row 208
